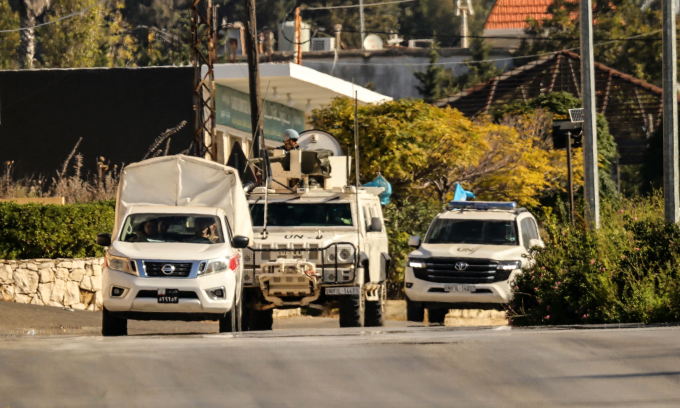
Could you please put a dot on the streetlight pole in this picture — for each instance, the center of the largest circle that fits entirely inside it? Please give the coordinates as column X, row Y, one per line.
column 591, row 179
column 670, row 114
column 361, row 18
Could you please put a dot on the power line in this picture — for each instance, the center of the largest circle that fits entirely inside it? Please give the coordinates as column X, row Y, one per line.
column 358, row 5
column 13, row 30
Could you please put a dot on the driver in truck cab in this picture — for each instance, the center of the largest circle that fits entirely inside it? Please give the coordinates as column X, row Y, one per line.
column 290, row 138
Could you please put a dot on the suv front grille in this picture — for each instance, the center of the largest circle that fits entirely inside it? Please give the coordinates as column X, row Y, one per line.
column 182, row 270
column 443, row 270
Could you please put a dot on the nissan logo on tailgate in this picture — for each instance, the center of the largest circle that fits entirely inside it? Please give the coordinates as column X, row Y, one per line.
column 169, row 269
column 459, row 266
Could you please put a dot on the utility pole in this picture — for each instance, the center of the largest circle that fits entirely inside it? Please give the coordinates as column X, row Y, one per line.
column 670, row 114
column 204, row 83
column 591, row 180
column 253, row 78
column 464, row 11
column 361, row 18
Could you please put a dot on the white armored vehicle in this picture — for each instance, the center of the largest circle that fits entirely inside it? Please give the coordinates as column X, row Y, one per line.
column 470, row 256
column 174, row 253
column 317, row 240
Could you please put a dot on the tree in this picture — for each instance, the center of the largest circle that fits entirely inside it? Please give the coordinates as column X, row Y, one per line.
column 29, row 13
column 431, row 79
column 10, row 43
column 479, row 69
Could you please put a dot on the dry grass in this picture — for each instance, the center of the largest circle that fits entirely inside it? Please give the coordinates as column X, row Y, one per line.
column 72, row 182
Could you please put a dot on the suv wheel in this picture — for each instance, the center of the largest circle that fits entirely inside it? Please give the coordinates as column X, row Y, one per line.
column 112, row 325
column 352, row 310
column 437, row 316
column 375, row 311
column 415, row 312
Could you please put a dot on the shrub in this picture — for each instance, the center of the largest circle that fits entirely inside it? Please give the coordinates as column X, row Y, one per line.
column 623, row 273
column 53, row 231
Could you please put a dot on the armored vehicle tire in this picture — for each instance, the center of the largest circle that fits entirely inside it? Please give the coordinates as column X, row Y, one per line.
column 415, row 312
column 113, row 326
column 375, row 311
column 352, row 310
column 260, row 319
column 437, row 316
column 231, row 322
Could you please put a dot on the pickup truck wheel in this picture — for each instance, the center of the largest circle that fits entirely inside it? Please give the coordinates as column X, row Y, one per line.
column 375, row 311
column 437, row 316
column 231, row 322
column 260, row 319
column 112, row 325
column 415, row 312
column 352, row 310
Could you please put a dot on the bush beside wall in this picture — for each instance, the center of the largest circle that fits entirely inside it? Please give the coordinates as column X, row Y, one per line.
column 30, row 231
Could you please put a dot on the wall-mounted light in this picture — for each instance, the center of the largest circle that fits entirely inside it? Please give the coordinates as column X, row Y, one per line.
column 308, row 107
column 290, row 101
column 275, row 95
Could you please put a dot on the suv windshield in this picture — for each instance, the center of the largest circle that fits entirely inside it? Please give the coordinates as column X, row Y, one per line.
column 187, row 228
column 302, row 215
column 484, row 232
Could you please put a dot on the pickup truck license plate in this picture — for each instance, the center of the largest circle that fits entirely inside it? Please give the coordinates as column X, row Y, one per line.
column 459, row 288
column 168, row 295
column 345, row 290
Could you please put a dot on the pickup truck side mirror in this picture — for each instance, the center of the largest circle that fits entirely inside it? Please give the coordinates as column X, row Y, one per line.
column 376, row 225
column 414, row 242
column 240, row 241
column 104, row 239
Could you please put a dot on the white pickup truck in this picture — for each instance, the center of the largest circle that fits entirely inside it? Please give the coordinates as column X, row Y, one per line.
column 175, row 250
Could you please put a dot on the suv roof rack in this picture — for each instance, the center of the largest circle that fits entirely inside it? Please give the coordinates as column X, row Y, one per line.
column 482, row 205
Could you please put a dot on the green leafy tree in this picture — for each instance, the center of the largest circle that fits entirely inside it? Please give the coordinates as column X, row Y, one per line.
column 431, row 79
column 479, row 69
column 9, row 42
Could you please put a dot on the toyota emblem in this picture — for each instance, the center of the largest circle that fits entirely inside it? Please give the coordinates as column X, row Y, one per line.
column 460, row 266
column 168, row 269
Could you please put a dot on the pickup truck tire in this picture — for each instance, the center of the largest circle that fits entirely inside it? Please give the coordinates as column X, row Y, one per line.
column 415, row 312
column 112, row 325
column 260, row 319
column 231, row 322
column 352, row 311
column 375, row 311
column 437, row 316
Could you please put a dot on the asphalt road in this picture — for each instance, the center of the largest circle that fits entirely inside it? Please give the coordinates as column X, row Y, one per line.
column 393, row 367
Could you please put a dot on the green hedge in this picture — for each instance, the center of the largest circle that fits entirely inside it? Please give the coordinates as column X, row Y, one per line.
column 30, row 231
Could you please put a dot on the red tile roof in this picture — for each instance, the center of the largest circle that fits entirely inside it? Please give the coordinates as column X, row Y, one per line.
column 513, row 13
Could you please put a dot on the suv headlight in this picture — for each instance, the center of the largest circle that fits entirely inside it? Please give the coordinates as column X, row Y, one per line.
column 416, row 263
column 121, row 264
column 213, row 266
column 509, row 265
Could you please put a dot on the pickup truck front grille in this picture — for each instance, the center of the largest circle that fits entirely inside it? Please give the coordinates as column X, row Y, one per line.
column 444, row 270
column 182, row 270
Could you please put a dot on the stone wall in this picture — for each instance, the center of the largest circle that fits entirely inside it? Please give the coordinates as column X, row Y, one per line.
column 71, row 283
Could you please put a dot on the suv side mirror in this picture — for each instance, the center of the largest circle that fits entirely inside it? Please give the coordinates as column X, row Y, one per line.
column 535, row 242
column 414, row 242
column 376, row 225
column 240, row 241
column 104, row 239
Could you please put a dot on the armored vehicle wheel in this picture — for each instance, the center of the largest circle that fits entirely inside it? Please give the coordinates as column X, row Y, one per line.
column 260, row 319
column 352, row 311
column 415, row 312
column 231, row 322
column 113, row 326
column 437, row 316
column 375, row 311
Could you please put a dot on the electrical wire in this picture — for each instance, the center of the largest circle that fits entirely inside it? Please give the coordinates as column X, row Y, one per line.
column 358, row 5
column 54, row 21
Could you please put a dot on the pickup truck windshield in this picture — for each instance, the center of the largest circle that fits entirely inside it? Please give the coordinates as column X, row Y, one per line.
column 186, row 228
column 302, row 215
column 484, row 232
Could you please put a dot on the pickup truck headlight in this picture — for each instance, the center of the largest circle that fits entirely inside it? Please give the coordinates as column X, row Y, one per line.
column 509, row 265
column 121, row 264
column 416, row 263
column 213, row 266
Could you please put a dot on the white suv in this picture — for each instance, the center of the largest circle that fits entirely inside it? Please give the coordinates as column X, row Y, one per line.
column 471, row 254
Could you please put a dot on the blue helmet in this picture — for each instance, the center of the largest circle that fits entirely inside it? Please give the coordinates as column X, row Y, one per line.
column 289, row 134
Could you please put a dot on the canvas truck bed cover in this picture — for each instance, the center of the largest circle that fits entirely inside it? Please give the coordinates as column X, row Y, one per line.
column 184, row 181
